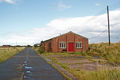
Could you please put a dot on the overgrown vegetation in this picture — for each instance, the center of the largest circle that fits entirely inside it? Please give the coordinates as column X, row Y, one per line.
column 6, row 53
column 103, row 74
column 110, row 53
column 39, row 50
column 104, row 52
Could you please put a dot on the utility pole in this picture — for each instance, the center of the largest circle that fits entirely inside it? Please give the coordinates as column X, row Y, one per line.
column 108, row 24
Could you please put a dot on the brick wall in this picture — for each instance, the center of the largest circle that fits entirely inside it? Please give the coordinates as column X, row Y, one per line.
column 69, row 37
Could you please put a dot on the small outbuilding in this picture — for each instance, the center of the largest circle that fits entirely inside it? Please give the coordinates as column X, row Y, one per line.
column 68, row 42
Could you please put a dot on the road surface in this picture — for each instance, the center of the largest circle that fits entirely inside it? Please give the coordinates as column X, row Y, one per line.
column 28, row 65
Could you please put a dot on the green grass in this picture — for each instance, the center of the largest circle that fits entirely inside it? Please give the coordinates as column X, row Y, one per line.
column 104, row 74
column 39, row 50
column 104, row 51
column 110, row 53
column 6, row 53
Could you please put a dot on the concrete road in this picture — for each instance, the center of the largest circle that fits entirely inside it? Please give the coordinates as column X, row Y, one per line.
column 27, row 65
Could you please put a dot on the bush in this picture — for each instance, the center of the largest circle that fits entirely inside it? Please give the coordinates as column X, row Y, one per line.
column 42, row 49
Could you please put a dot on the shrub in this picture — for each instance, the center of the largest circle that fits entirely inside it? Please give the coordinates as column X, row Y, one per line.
column 42, row 49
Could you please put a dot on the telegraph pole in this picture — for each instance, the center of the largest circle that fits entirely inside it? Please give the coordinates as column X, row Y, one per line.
column 108, row 24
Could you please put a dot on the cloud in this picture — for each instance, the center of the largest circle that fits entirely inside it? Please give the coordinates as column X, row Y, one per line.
column 92, row 27
column 97, row 4
column 9, row 1
column 63, row 6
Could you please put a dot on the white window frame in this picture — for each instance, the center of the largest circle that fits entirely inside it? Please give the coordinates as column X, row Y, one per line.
column 62, row 45
column 79, row 45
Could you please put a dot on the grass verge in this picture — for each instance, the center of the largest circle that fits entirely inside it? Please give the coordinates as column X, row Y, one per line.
column 6, row 53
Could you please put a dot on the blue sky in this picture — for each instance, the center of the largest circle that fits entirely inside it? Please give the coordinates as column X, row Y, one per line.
column 19, row 17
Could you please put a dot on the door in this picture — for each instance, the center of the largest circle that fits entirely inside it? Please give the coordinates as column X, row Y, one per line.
column 70, row 47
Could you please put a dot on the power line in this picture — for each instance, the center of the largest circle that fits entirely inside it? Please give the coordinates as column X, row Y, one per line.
column 102, row 32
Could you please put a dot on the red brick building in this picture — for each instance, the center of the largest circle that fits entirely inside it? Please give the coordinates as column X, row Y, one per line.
column 69, row 42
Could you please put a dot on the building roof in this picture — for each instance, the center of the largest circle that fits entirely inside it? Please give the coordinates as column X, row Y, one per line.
column 65, row 34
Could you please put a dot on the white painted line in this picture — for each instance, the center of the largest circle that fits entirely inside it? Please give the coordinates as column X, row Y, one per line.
column 26, row 67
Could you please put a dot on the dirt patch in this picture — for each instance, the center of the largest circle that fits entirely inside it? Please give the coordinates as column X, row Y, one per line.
column 100, row 60
column 67, row 56
column 75, row 61
column 56, row 56
column 72, row 57
column 90, row 66
column 81, row 62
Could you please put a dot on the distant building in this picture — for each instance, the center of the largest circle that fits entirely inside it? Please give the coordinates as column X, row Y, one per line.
column 69, row 42
column 6, row 46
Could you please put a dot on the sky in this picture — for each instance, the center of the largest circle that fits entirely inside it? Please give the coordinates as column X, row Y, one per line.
column 25, row 22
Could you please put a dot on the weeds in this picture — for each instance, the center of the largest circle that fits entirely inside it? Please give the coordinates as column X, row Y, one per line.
column 39, row 50
column 6, row 53
column 109, row 54
column 104, row 74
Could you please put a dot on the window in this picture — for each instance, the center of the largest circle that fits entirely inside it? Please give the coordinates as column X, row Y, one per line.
column 62, row 44
column 79, row 45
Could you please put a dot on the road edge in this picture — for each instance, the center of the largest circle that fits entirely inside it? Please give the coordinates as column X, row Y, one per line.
column 64, row 72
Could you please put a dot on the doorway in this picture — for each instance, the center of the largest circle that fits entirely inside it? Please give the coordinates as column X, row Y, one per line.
column 70, row 47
